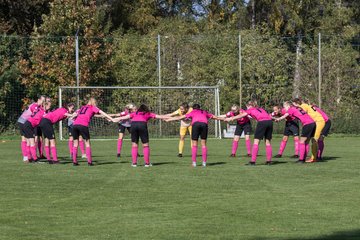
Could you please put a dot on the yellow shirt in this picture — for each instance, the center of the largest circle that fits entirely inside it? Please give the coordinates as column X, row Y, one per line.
column 316, row 116
column 183, row 123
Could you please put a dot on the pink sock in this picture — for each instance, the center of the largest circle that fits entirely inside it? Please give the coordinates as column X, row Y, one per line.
column 119, row 145
column 269, row 152
column 24, row 149
column 321, row 146
column 146, row 151
column 47, row 152
column 255, row 150
column 296, row 146
column 248, row 146
column 33, row 152
column 82, row 148
column 74, row 154
column 134, row 154
column 204, row 153
column 302, row 150
column 40, row 148
column 88, row 155
column 70, row 144
column 234, row 147
column 282, row 147
column 307, row 148
column 193, row 153
column 54, row 153
column 28, row 152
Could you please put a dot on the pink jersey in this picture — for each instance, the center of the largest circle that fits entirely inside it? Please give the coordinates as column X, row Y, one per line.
column 300, row 114
column 258, row 114
column 56, row 115
column 323, row 114
column 141, row 116
column 198, row 115
column 27, row 113
column 127, row 122
column 240, row 121
column 36, row 116
column 85, row 113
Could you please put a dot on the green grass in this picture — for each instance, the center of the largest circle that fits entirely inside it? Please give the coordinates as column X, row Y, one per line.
column 171, row 200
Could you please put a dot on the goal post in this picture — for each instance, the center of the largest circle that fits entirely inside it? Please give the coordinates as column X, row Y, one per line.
column 161, row 100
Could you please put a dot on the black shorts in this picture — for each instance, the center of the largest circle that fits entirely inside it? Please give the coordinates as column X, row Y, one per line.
column 80, row 130
column 264, row 129
column 308, row 130
column 21, row 128
column 325, row 131
column 199, row 129
column 139, row 130
column 70, row 129
column 47, row 128
column 123, row 128
column 246, row 127
column 29, row 131
column 291, row 128
column 37, row 131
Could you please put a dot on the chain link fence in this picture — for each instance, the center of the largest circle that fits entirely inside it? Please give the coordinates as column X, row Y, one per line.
column 323, row 69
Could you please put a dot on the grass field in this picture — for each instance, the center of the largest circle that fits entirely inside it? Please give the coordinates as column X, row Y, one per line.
column 171, row 200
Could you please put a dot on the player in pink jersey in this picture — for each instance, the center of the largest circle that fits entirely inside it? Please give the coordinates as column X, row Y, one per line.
column 263, row 129
column 46, row 126
column 138, row 130
column 81, row 128
column 291, row 128
column 39, row 140
column 123, row 125
column 243, row 125
column 308, row 127
column 25, row 149
column 29, row 130
column 324, row 132
column 70, row 123
column 199, row 123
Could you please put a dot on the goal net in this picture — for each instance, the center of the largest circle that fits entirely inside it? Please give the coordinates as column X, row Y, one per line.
column 161, row 100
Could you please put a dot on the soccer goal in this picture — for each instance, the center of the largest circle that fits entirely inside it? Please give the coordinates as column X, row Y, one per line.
column 161, row 100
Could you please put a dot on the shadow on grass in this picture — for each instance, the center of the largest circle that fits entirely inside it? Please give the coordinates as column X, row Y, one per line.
column 341, row 235
column 107, row 163
column 162, row 163
column 329, row 158
column 215, row 163
column 79, row 161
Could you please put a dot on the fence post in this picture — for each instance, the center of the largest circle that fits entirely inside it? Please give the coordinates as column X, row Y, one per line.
column 77, row 67
column 159, row 78
column 319, row 66
column 240, row 72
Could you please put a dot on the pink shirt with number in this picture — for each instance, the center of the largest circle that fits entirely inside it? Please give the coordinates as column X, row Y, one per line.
column 258, row 114
column 56, row 115
column 301, row 115
column 36, row 116
column 198, row 115
column 323, row 114
column 288, row 118
column 85, row 113
column 241, row 120
column 141, row 116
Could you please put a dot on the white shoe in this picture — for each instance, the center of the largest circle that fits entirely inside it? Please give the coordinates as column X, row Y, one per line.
column 83, row 156
column 204, row 164
column 25, row 159
column 133, row 165
column 194, row 164
column 147, row 165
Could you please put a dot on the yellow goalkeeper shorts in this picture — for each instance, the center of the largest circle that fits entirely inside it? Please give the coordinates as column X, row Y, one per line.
column 183, row 130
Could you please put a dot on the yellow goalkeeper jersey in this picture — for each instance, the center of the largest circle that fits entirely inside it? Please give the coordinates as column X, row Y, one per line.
column 183, row 123
column 316, row 116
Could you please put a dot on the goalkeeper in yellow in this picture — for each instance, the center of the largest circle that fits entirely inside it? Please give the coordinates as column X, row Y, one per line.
column 185, row 125
column 320, row 124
